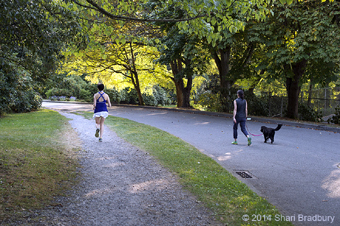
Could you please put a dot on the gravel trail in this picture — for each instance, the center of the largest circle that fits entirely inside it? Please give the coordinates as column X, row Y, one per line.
column 122, row 185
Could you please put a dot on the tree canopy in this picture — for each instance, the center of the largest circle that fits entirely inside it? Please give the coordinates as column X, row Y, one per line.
column 290, row 41
column 33, row 34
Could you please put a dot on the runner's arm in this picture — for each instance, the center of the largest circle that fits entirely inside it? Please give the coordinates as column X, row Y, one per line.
column 108, row 101
column 94, row 101
column 235, row 110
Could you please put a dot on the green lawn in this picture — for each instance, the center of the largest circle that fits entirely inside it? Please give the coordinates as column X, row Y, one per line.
column 35, row 165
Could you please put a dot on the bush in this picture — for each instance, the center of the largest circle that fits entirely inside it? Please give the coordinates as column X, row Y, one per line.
column 335, row 118
column 16, row 92
column 210, row 101
column 26, row 102
column 84, row 94
column 49, row 93
column 149, row 100
column 58, row 92
column 158, row 97
column 306, row 113
column 256, row 105
column 114, row 95
column 128, row 96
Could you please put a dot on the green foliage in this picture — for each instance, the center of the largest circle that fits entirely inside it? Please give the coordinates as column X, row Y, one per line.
column 158, row 97
column 300, row 43
column 256, row 105
column 335, row 118
column 210, row 101
column 307, row 113
column 59, row 92
column 16, row 91
column 33, row 33
column 85, row 95
column 128, row 96
column 113, row 94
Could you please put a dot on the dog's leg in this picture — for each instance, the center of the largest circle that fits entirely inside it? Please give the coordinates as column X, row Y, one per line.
column 272, row 137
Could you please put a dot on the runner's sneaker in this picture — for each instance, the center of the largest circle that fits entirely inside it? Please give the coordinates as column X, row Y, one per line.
column 97, row 133
column 100, row 139
column 249, row 141
column 234, row 142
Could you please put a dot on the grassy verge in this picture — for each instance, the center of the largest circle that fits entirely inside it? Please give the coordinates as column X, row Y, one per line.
column 227, row 197
column 35, row 162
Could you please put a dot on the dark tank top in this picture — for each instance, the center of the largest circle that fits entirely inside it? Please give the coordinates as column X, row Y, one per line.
column 100, row 105
column 241, row 108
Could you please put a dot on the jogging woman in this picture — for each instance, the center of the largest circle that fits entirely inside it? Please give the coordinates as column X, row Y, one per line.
column 100, row 100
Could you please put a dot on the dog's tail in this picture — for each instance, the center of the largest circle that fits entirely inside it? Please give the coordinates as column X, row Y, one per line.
column 278, row 127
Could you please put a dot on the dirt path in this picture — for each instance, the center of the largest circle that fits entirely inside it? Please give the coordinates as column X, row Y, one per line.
column 122, row 185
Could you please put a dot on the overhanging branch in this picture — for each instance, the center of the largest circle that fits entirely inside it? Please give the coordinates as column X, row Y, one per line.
column 96, row 7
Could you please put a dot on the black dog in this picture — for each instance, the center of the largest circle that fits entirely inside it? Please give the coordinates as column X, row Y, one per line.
column 269, row 132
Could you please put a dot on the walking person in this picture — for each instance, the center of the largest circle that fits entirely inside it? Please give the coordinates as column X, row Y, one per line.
column 240, row 116
column 100, row 100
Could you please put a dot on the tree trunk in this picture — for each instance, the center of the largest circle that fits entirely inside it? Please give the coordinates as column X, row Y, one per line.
column 176, row 68
column 293, row 88
column 135, row 79
column 222, row 60
column 135, row 82
column 182, row 93
column 179, row 91
column 187, row 89
column 186, row 93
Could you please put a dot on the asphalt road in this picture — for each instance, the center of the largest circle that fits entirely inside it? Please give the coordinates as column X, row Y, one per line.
column 299, row 173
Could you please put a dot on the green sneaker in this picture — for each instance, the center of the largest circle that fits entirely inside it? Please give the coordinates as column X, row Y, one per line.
column 249, row 141
column 234, row 142
column 97, row 133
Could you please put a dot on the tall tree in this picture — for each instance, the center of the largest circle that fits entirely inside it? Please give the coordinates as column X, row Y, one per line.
column 302, row 41
column 182, row 51
column 33, row 33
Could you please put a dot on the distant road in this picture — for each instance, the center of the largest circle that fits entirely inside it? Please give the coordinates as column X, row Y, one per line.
column 299, row 173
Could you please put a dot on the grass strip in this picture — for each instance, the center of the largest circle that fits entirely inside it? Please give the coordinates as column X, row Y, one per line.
column 35, row 163
column 220, row 191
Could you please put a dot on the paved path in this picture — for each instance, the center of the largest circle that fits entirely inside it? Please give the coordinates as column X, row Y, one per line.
column 299, row 173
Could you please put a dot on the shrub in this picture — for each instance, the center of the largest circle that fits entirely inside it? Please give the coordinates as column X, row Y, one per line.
column 149, row 100
column 158, row 97
column 256, row 105
column 16, row 92
column 84, row 94
column 49, row 93
column 210, row 101
column 114, row 95
column 307, row 113
column 53, row 98
column 336, row 117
